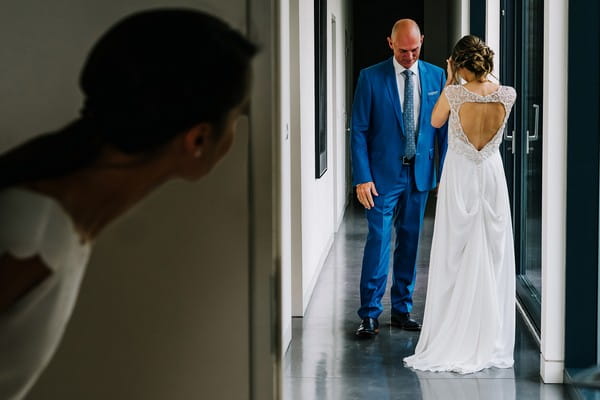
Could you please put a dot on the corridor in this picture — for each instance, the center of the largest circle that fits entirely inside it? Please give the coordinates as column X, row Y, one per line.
column 326, row 361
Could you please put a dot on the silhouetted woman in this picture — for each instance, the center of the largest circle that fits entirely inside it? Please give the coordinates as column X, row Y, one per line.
column 163, row 90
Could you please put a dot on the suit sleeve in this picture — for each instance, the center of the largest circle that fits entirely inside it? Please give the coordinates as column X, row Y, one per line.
column 442, row 134
column 361, row 116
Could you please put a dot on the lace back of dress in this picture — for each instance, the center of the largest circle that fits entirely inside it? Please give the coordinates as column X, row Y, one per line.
column 458, row 141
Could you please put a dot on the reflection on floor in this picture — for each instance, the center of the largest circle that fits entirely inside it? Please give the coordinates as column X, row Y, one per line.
column 326, row 361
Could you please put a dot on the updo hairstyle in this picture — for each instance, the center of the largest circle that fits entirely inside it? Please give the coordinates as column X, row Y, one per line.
column 473, row 54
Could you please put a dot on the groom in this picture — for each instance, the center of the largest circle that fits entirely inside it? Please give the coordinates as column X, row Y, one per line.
column 393, row 166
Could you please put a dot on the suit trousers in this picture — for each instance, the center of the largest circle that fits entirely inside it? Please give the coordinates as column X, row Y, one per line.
column 403, row 208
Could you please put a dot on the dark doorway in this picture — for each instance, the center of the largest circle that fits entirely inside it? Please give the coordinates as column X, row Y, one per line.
column 373, row 21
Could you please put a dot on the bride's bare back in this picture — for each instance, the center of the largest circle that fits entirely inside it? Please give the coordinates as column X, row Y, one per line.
column 476, row 115
column 481, row 121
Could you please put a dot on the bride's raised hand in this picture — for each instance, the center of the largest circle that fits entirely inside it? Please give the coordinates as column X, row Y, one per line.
column 450, row 72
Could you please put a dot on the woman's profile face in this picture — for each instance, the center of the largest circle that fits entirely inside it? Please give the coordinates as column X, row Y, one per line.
column 224, row 139
column 215, row 144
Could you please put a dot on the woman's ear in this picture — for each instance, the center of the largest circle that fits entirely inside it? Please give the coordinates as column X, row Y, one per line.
column 195, row 139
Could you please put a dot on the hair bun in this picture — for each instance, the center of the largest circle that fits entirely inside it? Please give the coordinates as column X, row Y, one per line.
column 473, row 54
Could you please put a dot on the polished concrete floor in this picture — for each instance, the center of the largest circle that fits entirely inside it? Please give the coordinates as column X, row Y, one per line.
column 326, row 360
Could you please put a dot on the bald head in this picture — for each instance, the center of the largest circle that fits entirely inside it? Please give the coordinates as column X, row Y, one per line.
column 406, row 27
column 405, row 41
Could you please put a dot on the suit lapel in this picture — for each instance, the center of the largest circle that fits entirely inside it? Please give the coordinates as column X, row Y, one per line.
column 392, row 91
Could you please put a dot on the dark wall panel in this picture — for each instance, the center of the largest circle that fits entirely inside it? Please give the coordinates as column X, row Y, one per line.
column 583, row 148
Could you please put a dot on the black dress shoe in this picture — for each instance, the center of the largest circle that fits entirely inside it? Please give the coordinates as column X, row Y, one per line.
column 403, row 320
column 369, row 327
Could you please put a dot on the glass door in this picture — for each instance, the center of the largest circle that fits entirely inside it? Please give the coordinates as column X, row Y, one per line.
column 531, row 145
column 522, row 67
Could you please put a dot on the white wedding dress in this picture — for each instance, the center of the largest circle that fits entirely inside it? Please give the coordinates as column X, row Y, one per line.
column 469, row 317
column 32, row 224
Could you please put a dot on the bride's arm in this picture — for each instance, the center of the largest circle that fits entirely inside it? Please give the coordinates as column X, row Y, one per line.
column 441, row 111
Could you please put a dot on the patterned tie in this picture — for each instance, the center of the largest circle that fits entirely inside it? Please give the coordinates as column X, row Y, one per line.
column 408, row 114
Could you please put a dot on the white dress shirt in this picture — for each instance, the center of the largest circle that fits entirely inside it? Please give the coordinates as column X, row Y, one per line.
column 417, row 85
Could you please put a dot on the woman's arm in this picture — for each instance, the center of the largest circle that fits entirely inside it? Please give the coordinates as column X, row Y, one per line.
column 441, row 111
column 19, row 276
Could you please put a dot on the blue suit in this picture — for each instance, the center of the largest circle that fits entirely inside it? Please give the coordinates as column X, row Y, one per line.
column 378, row 143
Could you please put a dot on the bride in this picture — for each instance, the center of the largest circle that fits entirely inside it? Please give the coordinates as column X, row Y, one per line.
column 469, row 315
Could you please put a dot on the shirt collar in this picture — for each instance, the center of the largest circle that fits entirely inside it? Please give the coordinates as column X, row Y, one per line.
column 400, row 69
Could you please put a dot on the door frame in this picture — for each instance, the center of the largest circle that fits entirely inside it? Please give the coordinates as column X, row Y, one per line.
column 264, row 206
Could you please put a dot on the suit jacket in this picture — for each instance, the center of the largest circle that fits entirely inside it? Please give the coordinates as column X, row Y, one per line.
column 378, row 139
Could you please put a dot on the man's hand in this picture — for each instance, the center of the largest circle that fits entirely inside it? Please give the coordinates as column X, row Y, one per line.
column 365, row 192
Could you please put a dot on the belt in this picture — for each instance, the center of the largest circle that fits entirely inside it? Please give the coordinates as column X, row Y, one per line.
column 408, row 161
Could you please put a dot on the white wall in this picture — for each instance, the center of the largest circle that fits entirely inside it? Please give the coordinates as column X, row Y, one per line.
column 317, row 194
column 336, row 106
column 492, row 31
column 554, row 189
column 163, row 312
column 286, row 173
column 465, row 12
column 317, row 205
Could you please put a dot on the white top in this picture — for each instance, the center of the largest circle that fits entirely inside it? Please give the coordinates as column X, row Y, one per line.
column 400, row 81
column 34, row 224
